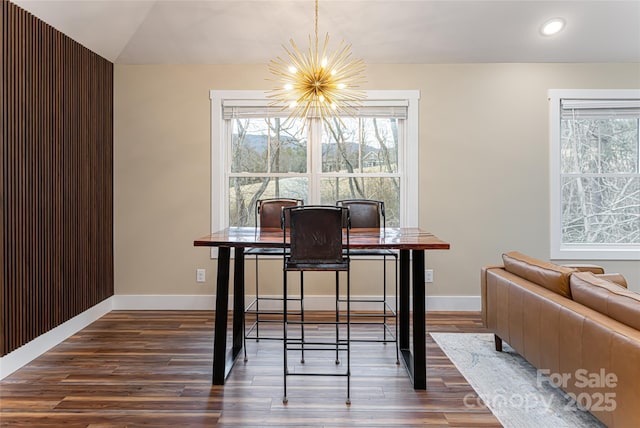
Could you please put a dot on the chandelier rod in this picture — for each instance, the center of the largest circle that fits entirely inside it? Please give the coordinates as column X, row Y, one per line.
column 316, row 28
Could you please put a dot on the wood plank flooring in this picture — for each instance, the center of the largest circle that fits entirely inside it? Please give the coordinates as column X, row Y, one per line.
column 153, row 369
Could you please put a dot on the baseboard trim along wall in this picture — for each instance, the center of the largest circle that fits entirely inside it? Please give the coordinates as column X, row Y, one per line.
column 313, row 302
column 41, row 344
column 38, row 346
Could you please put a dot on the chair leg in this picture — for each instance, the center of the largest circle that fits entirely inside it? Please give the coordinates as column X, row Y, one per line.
column 244, row 326
column 284, row 336
column 244, row 335
column 302, row 317
column 348, row 338
column 384, row 299
column 396, row 308
column 384, row 305
column 337, row 316
column 257, row 304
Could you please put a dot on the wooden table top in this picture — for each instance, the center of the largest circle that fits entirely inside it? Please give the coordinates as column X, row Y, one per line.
column 409, row 238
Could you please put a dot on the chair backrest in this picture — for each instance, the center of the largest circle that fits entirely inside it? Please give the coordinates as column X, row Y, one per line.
column 316, row 234
column 269, row 211
column 365, row 213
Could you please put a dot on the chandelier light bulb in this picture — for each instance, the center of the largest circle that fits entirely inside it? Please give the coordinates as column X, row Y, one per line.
column 288, row 86
column 293, row 70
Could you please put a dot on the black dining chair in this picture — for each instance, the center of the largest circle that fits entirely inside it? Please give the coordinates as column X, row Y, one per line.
column 267, row 216
column 318, row 242
column 368, row 213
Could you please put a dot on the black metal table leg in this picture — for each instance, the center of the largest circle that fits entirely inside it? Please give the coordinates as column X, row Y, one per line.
column 419, row 323
column 238, row 301
column 222, row 307
column 416, row 361
column 404, row 307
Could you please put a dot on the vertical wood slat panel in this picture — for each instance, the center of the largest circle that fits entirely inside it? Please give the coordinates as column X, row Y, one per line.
column 7, row 130
column 56, row 168
column 23, row 333
column 3, row 139
column 8, row 200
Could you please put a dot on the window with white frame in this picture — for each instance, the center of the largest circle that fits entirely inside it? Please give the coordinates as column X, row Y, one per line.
column 258, row 153
column 595, row 174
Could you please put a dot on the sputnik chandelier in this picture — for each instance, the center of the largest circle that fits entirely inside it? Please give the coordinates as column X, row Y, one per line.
column 318, row 83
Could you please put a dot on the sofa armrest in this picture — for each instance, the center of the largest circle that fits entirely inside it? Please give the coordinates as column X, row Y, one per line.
column 483, row 290
column 614, row 277
column 595, row 269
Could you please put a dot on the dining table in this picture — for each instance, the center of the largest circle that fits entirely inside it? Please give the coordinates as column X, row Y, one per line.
column 410, row 242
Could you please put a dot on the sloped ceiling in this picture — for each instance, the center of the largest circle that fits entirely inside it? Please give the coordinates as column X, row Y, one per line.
column 380, row 31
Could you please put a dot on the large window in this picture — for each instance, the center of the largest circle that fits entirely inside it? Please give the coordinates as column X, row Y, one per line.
column 595, row 174
column 257, row 153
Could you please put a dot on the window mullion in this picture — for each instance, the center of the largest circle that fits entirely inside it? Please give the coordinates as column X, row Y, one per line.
column 269, row 142
column 360, row 142
column 315, row 152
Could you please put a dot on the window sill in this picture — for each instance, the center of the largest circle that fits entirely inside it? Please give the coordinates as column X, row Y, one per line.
column 631, row 253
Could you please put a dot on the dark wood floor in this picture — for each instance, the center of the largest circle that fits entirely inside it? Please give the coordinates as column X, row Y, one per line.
column 153, row 369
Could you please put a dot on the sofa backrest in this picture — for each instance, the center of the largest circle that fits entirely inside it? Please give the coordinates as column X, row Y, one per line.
column 607, row 298
column 548, row 275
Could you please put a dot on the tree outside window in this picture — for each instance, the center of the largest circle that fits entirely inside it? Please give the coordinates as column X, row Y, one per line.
column 597, row 178
column 272, row 157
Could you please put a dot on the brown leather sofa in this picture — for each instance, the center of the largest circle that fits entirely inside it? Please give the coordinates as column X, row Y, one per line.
column 575, row 324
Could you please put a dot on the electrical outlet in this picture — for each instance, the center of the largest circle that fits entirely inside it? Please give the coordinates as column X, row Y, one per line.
column 201, row 275
column 428, row 275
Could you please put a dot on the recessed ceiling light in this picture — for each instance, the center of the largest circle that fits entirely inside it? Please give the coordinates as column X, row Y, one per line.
column 552, row 26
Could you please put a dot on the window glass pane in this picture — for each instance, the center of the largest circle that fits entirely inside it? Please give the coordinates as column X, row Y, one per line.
column 386, row 189
column 380, row 136
column 599, row 145
column 267, row 145
column 601, row 210
column 249, row 145
column 365, row 145
column 340, row 145
column 244, row 192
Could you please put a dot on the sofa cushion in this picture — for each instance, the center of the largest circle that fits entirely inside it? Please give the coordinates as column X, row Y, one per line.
column 607, row 298
column 615, row 278
column 545, row 274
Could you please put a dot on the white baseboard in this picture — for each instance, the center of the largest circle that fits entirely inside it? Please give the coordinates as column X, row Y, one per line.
column 38, row 346
column 207, row 302
column 133, row 302
column 311, row 302
column 454, row 303
column 41, row 344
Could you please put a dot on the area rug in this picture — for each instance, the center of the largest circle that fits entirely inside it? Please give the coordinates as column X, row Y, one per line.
column 517, row 394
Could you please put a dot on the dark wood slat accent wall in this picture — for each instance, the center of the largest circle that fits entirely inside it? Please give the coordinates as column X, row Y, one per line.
column 56, row 178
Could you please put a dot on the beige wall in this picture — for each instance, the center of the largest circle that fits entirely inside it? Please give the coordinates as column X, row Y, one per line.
column 484, row 177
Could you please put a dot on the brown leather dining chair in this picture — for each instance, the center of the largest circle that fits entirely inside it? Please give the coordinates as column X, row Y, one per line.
column 267, row 309
column 368, row 213
column 317, row 244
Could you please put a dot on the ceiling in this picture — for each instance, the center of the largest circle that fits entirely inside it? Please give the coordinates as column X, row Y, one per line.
column 380, row 31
